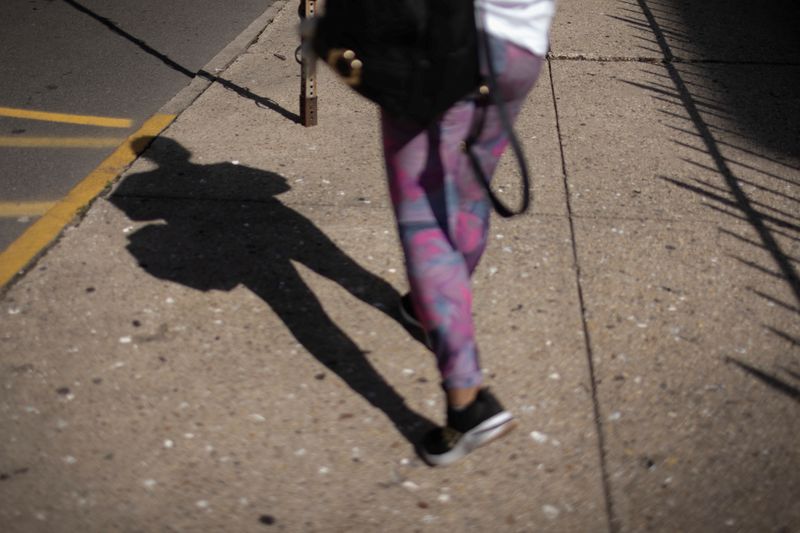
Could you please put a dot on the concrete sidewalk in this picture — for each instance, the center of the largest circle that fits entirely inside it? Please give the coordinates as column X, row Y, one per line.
column 214, row 347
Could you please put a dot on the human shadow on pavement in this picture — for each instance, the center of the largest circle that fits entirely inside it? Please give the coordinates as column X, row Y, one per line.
column 218, row 226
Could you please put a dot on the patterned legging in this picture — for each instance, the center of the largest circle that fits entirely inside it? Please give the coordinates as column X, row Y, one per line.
column 443, row 212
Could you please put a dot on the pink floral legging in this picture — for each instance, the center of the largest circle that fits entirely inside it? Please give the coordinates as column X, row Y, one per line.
column 443, row 212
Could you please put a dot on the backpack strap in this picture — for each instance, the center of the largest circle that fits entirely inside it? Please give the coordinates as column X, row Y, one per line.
column 481, row 104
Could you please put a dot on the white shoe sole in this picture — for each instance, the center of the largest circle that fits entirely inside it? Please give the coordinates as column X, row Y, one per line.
column 490, row 429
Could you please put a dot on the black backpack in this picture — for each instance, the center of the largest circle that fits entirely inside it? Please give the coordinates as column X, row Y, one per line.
column 415, row 58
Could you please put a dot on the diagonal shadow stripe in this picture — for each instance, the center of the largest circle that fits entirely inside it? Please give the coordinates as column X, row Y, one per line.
column 171, row 63
column 785, row 336
column 763, row 217
column 770, row 380
column 741, row 200
column 108, row 23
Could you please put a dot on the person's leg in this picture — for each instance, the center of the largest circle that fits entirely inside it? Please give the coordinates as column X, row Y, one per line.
column 421, row 165
column 442, row 215
column 517, row 71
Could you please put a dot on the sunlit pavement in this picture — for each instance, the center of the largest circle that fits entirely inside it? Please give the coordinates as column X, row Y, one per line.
column 214, row 346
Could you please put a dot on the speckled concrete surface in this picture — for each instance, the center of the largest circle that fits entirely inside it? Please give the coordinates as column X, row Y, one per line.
column 214, row 346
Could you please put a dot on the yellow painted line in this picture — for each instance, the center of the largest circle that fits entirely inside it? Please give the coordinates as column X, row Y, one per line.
column 22, row 251
column 59, row 142
column 87, row 120
column 24, row 209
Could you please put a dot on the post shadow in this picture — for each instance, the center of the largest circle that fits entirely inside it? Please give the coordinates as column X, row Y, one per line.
column 260, row 101
column 219, row 226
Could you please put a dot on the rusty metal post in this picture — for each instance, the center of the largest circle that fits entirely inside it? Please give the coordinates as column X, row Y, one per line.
column 308, row 72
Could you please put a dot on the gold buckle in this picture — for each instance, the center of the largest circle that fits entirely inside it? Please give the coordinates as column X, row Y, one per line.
column 347, row 65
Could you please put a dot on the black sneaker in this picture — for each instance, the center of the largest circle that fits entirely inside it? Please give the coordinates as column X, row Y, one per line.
column 407, row 311
column 483, row 421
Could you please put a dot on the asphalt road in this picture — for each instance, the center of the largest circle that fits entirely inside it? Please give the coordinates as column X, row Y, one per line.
column 90, row 61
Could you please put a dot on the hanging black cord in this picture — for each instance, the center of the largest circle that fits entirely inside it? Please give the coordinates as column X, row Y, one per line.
column 481, row 105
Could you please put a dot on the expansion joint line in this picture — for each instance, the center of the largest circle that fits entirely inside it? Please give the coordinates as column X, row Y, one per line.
column 613, row 523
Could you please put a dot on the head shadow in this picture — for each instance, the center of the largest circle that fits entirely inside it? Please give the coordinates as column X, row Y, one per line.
column 221, row 225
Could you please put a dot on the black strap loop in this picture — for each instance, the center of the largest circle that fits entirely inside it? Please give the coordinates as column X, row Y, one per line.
column 494, row 93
